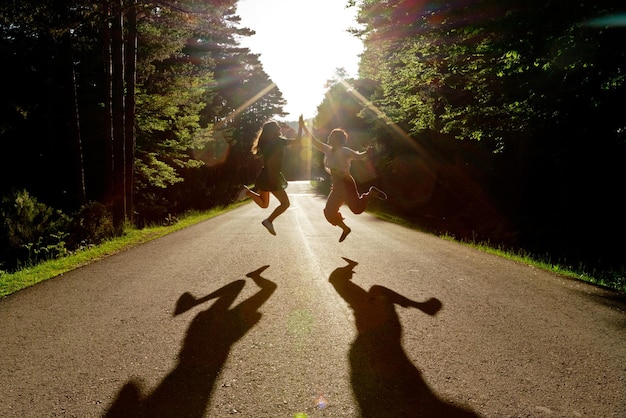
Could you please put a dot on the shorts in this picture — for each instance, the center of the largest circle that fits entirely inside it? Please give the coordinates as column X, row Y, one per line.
column 269, row 183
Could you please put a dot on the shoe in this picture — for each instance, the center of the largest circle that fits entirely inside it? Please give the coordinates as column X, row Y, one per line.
column 267, row 224
column 344, row 234
column 378, row 193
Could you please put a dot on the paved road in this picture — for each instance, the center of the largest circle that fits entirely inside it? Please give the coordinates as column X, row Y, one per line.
column 224, row 319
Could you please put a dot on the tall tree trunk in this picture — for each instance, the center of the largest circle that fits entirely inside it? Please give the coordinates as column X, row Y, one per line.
column 78, row 142
column 70, row 102
column 131, row 74
column 79, row 167
column 117, row 52
column 108, row 108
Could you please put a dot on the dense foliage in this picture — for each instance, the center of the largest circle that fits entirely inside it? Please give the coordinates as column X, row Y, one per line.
column 123, row 102
column 496, row 121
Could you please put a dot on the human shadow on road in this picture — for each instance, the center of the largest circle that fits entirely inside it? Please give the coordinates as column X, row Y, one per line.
column 186, row 390
column 384, row 381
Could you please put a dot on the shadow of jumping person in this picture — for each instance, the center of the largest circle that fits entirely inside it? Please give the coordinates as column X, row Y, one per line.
column 186, row 390
column 384, row 381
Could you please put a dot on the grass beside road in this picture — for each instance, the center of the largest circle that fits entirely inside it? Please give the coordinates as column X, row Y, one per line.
column 615, row 280
column 11, row 283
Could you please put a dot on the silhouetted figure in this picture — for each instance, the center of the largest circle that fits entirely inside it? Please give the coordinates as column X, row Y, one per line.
column 186, row 390
column 337, row 161
column 385, row 382
column 271, row 145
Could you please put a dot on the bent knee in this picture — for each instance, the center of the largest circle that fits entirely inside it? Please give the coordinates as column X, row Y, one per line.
column 333, row 217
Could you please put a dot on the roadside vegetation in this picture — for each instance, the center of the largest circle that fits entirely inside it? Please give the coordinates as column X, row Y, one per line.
column 487, row 124
column 35, row 273
column 613, row 278
column 31, row 275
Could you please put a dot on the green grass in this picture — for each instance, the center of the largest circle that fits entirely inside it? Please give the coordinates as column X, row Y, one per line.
column 615, row 280
column 612, row 280
column 12, row 282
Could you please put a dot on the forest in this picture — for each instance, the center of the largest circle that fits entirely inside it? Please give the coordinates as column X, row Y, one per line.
column 492, row 121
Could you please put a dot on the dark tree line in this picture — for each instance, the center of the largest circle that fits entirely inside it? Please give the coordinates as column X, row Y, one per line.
column 493, row 121
column 496, row 121
column 120, row 103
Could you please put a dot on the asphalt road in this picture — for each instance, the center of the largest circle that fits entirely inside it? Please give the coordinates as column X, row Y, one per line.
column 224, row 319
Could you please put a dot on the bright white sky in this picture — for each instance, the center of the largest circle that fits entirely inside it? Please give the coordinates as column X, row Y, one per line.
column 301, row 44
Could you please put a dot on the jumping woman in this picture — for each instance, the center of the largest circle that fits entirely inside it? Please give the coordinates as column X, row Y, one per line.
column 270, row 144
column 337, row 161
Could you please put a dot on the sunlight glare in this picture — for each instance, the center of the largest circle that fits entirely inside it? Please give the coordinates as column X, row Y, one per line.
column 301, row 45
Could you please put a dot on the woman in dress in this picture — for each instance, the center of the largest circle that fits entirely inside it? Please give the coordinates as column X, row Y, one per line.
column 270, row 144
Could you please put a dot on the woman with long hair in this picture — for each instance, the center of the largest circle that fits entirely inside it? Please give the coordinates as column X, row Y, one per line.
column 270, row 144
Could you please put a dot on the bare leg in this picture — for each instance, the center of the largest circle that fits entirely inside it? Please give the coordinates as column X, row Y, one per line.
column 262, row 198
column 282, row 197
column 336, row 199
column 356, row 202
column 334, row 202
column 346, row 230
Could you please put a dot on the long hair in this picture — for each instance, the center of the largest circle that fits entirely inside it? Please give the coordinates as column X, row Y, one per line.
column 270, row 130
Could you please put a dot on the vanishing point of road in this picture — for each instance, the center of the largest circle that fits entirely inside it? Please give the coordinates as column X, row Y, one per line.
column 223, row 319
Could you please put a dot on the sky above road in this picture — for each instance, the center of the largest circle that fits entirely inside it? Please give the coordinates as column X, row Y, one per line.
column 301, row 44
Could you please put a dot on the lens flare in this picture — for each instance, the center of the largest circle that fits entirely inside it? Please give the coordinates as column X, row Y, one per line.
column 610, row 21
column 395, row 129
column 321, row 402
column 245, row 105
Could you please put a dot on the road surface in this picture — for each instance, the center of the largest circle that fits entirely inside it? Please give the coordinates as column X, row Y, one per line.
column 224, row 319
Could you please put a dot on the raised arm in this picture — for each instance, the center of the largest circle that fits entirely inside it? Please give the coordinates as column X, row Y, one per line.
column 361, row 155
column 298, row 139
column 300, row 125
column 319, row 145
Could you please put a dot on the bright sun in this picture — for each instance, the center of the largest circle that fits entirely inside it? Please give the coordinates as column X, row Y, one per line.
column 301, row 44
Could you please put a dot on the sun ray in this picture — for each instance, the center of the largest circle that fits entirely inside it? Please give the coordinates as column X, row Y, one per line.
column 245, row 105
column 217, row 152
column 424, row 167
column 399, row 132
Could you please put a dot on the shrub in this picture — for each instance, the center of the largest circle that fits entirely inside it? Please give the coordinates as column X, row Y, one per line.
column 92, row 224
column 31, row 231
